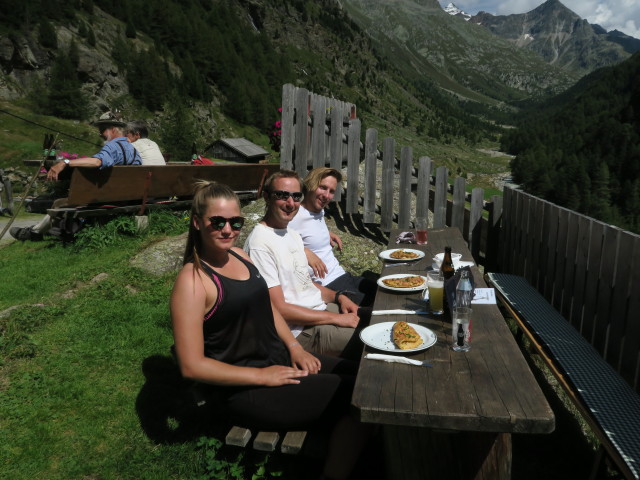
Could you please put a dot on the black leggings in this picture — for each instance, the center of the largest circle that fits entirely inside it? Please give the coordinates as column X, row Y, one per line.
column 318, row 399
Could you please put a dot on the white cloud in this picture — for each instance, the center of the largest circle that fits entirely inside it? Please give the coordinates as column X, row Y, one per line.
column 623, row 15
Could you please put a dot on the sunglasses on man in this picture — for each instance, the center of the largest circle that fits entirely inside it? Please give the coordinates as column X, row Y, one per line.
column 218, row 223
column 284, row 195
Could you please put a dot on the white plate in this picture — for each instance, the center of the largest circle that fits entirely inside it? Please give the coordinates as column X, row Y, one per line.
column 380, row 336
column 402, row 275
column 386, row 255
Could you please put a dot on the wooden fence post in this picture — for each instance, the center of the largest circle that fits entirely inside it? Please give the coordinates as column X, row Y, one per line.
column 287, row 118
column 301, row 149
column 491, row 263
column 457, row 210
column 318, row 133
column 353, row 165
column 336, row 140
column 370, row 184
column 424, row 185
column 406, row 164
column 388, row 161
column 440, row 200
column 475, row 227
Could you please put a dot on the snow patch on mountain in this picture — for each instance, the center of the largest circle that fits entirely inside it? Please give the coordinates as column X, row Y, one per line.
column 451, row 9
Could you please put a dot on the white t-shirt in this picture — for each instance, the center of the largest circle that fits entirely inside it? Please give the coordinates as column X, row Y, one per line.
column 149, row 152
column 279, row 256
column 315, row 235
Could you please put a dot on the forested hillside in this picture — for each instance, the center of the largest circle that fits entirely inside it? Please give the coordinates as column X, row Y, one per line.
column 583, row 152
column 233, row 56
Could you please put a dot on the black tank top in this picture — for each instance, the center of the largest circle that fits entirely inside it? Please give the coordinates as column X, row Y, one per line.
column 239, row 329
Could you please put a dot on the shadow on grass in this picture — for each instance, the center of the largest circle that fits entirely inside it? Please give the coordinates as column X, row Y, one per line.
column 168, row 407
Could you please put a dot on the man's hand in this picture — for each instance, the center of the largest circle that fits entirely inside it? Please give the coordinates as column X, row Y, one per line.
column 317, row 265
column 335, row 240
column 55, row 170
column 345, row 320
column 347, row 305
column 303, row 360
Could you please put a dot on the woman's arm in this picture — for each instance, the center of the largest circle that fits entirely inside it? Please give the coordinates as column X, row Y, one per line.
column 189, row 299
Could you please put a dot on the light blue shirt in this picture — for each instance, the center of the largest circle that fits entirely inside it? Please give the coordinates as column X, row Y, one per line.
column 111, row 153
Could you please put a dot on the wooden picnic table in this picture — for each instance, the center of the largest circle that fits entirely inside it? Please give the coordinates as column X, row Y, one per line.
column 453, row 420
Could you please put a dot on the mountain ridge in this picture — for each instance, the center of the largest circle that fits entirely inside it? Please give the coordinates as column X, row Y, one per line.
column 561, row 37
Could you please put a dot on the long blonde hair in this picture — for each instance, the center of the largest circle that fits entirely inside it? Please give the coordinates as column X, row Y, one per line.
column 204, row 192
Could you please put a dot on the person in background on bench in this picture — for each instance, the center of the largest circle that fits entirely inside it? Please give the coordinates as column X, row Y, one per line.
column 278, row 252
column 138, row 135
column 319, row 188
column 229, row 335
column 116, row 151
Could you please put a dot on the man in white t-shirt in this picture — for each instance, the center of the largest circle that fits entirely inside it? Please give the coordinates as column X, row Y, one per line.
column 138, row 135
column 319, row 189
column 278, row 253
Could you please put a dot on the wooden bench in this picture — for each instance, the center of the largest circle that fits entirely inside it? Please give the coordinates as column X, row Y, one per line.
column 607, row 402
column 291, row 444
column 132, row 188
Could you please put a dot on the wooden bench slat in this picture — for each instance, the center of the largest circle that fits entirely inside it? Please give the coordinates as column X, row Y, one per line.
column 292, row 442
column 609, row 404
column 238, row 437
column 266, row 441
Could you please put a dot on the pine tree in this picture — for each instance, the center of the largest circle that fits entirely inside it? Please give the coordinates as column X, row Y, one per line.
column 65, row 97
column 47, row 34
column 177, row 131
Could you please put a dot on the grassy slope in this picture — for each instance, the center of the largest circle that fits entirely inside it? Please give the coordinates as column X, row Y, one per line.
column 71, row 368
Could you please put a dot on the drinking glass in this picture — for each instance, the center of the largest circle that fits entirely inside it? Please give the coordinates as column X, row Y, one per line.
column 461, row 329
column 435, row 284
column 421, row 232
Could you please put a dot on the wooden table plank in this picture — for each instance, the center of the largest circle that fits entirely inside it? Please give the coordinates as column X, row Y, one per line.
column 484, row 394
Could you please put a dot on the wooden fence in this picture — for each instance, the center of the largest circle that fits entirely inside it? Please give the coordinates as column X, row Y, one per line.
column 318, row 131
column 588, row 270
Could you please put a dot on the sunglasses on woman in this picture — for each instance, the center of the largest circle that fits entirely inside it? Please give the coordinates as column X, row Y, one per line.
column 218, row 223
column 284, row 195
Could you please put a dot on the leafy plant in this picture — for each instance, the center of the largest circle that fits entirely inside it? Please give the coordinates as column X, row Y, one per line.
column 220, row 467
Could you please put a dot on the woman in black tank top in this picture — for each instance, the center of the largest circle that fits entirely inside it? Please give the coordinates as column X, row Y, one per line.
column 227, row 334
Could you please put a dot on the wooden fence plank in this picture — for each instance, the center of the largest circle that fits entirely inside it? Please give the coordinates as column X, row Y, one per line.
column 370, row 184
column 580, row 279
column 440, row 200
column 538, row 245
column 288, row 131
column 475, row 225
column 519, row 260
column 630, row 364
column 569, row 265
column 458, row 199
column 610, row 241
column 550, row 260
column 318, row 135
column 388, row 155
column 493, row 235
column 336, row 141
column 506, row 233
column 424, row 185
column 620, row 299
column 406, row 164
column 592, row 279
column 561, row 248
column 301, row 149
column 353, row 165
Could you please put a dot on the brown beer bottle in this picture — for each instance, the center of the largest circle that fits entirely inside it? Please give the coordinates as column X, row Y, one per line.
column 447, row 264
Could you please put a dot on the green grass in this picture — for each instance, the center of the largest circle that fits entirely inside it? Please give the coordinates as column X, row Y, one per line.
column 71, row 375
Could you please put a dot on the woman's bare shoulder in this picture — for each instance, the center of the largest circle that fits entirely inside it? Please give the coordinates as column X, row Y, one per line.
column 242, row 253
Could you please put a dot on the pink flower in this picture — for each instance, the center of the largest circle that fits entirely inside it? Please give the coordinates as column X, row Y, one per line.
column 280, row 109
column 278, row 124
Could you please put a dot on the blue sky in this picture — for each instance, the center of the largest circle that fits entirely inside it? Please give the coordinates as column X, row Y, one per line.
column 622, row 15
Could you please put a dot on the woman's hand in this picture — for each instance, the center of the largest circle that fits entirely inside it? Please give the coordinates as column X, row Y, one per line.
column 303, row 360
column 317, row 265
column 277, row 375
